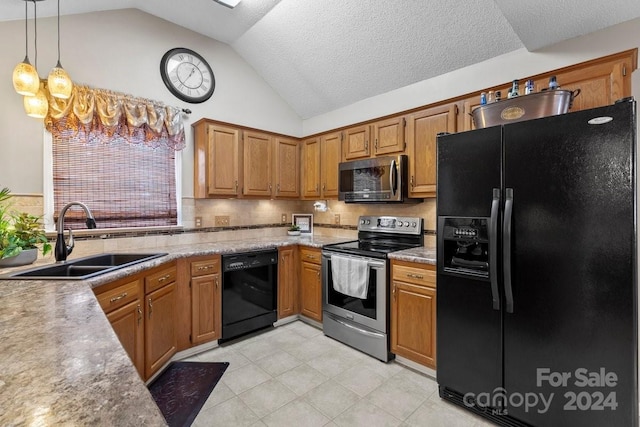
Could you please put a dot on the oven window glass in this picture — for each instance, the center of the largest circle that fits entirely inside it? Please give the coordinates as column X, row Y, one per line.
column 369, row 179
column 365, row 307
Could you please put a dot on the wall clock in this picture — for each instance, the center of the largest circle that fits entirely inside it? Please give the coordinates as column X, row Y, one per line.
column 187, row 75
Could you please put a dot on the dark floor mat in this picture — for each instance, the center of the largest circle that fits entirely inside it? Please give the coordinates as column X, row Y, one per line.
column 181, row 390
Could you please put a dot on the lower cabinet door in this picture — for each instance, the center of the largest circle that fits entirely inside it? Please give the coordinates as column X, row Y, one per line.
column 160, row 328
column 287, row 283
column 206, row 322
column 413, row 320
column 311, row 291
column 128, row 324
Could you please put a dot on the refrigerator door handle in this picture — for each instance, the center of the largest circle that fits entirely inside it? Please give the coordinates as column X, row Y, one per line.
column 506, row 248
column 493, row 249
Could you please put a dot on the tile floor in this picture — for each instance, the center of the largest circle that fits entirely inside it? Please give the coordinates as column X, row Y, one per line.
column 295, row 376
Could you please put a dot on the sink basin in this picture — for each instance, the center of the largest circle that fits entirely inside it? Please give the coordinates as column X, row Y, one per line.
column 81, row 268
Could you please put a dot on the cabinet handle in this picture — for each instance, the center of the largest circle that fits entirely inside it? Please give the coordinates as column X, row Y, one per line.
column 204, row 267
column 217, row 283
column 316, row 188
column 310, row 256
column 318, row 273
column 236, row 186
column 139, row 314
column 269, row 187
column 150, row 308
column 163, row 278
column 324, row 187
column 412, row 182
column 415, row 276
column 394, row 292
column 119, row 297
column 278, row 188
column 366, row 145
column 376, row 144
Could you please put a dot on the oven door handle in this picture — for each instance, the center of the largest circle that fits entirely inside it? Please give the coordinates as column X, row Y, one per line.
column 362, row 331
column 393, row 177
column 373, row 263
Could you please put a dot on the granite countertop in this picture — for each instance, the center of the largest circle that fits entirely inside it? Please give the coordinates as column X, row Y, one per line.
column 422, row 254
column 61, row 362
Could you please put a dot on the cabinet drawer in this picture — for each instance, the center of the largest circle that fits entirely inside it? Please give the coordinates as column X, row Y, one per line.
column 310, row 255
column 204, row 267
column 160, row 279
column 418, row 275
column 120, row 296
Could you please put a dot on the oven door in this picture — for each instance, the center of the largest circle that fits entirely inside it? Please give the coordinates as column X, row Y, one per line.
column 372, row 311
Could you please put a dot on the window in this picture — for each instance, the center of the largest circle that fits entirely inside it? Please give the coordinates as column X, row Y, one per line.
column 124, row 184
column 124, row 166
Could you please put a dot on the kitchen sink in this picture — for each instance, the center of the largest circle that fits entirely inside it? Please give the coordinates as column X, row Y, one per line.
column 81, row 268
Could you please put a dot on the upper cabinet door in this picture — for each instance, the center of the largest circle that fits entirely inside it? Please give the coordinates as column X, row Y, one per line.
column 331, row 145
column 217, row 157
column 311, row 168
column 388, row 136
column 258, row 174
column 423, row 128
column 287, row 168
column 356, row 142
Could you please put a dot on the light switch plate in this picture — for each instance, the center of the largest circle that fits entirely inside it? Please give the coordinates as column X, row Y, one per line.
column 283, row 218
column 198, row 221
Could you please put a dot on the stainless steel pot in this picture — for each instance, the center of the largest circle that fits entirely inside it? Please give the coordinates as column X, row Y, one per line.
column 526, row 107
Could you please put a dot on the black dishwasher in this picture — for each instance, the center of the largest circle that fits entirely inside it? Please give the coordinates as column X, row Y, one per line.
column 249, row 292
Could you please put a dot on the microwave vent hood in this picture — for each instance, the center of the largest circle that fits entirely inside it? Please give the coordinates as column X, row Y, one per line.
column 375, row 180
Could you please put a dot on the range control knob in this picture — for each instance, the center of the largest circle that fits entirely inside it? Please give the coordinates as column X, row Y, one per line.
column 368, row 222
column 413, row 224
column 362, row 221
column 400, row 223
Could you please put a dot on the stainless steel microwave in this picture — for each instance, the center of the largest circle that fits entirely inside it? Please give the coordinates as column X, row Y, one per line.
column 376, row 180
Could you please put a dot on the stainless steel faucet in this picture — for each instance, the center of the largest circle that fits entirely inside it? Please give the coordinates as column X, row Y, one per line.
column 62, row 248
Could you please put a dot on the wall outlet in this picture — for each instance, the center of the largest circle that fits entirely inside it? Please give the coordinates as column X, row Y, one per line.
column 283, row 218
column 198, row 221
column 336, row 219
column 222, row 220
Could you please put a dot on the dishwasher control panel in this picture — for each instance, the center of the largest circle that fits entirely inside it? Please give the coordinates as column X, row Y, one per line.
column 247, row 260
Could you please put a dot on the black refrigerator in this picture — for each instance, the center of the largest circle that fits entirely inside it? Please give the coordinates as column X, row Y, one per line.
column 537, row 275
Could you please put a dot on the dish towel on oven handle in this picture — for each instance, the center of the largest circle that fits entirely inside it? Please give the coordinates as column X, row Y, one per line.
column 350, row 276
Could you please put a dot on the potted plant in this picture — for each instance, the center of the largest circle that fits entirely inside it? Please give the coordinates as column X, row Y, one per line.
column 21, row 235
column 294, row 230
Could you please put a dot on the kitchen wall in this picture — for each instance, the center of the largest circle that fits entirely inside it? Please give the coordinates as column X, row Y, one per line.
column 121, row 50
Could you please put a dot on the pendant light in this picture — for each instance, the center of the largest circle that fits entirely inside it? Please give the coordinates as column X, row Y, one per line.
column 25, row 77
column 36, row 105
column 59, row 83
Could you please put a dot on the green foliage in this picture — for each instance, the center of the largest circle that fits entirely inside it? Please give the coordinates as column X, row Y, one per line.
column 294, row 228
column 19, row 230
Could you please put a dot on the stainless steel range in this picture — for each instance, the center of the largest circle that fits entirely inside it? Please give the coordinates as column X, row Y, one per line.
column 356, row 282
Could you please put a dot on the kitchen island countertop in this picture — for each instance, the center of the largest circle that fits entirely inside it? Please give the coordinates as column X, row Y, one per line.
column 61, row 362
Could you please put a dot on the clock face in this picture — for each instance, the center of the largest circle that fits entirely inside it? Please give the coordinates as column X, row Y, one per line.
column 187, row 75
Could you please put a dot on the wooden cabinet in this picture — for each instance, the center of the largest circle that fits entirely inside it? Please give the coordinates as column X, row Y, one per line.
column 356, row 142
column 320, row 158
column 122, row 303
column 142, row 310
column 206, row 299
column 160, row 341
column 217, row 160
column 311, row 283
column 287, row 282
column 389, row 136
column 422, row 131
column 601, row 82
column 286, row 168
column 413, row 312
column 257, row 164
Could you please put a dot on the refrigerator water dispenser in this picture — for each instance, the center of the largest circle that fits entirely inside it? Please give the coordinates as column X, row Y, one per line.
column 465, row 246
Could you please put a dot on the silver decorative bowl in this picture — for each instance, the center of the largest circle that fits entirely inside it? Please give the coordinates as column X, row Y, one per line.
column 525, row 107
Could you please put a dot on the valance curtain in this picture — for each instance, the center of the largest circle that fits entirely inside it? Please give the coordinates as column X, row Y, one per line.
column 101, row 114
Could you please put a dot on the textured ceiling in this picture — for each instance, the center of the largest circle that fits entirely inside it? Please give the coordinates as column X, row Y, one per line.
column 320, row 55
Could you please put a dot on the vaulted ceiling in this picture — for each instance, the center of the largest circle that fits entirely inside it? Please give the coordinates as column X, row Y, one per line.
column 320, row 55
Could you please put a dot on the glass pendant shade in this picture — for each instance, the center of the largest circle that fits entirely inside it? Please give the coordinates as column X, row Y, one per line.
column 25, row 78
column 36, row 106
column 59, row 83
